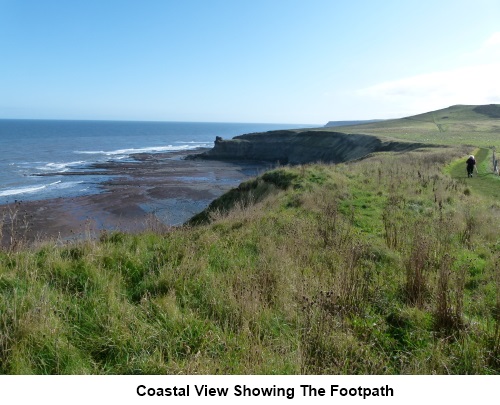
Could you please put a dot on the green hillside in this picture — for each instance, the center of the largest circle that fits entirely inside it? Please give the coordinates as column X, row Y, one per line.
column 460, row 124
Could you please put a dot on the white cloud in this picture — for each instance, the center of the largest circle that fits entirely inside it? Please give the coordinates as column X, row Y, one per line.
column 477, row 83
column 481, row 82
column 469, row 85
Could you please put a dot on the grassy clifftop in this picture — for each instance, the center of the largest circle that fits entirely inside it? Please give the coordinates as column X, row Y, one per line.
column 385, row 265
column 304, row 146
column 478, row 125
column 460, row 124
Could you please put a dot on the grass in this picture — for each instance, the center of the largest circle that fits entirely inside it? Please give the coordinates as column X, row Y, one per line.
column 484, row 181
column 456, row 125
column 387, row 265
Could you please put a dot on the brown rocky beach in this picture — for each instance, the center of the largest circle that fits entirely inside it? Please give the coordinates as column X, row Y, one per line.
column 149, row 190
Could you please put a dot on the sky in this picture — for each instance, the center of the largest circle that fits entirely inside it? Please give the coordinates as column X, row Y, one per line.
column 270, row 61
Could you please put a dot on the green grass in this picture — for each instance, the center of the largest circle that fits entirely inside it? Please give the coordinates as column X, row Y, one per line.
column 484, row 181
column 456, row 125
column 383, row 266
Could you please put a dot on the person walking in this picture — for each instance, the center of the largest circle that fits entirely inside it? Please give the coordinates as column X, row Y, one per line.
column 471, row 162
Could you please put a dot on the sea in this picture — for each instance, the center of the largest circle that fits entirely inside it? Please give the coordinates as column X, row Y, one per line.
column 32, row 149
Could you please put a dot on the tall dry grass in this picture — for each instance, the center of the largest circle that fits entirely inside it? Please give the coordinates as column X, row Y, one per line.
column 378, row 266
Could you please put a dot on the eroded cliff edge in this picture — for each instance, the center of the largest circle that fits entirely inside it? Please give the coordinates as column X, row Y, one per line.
column 297, row 147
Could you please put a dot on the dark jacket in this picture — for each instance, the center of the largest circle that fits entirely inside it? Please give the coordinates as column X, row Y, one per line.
column 471, row 161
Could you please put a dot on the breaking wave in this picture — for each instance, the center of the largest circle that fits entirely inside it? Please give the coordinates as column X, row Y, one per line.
column 167, row 148
column 26, row 190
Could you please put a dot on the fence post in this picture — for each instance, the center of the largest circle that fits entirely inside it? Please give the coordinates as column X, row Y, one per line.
column 495, row 163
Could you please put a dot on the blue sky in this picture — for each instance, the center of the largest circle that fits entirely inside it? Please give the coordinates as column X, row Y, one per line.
column 291, row 61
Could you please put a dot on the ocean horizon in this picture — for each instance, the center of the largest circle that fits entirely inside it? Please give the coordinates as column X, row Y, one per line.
column 36, row 153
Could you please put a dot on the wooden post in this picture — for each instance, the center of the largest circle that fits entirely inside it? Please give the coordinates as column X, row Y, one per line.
column 495, row 163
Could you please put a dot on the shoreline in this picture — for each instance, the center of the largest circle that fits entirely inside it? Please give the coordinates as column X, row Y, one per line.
column 150, row 190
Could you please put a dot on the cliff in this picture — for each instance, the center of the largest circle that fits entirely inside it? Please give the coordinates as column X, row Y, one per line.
column 296, row 147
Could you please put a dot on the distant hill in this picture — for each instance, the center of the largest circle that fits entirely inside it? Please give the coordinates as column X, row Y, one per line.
column 458, row 124
column 344, row 123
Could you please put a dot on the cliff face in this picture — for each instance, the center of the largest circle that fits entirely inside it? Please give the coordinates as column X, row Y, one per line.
column 292, row 147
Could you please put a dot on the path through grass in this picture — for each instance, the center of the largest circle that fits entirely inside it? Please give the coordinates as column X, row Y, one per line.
column 484, row 181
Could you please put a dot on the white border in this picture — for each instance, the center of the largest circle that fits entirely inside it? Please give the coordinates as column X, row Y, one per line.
column 122, row 390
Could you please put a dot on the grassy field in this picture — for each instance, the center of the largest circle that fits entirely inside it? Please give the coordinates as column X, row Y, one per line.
column 457, row 125
column 388, row 265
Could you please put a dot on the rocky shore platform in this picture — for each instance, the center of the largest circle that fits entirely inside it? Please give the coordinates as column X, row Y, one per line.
column 147, row 191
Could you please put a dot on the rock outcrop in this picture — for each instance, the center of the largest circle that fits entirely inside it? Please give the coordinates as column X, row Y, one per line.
column 296, row 147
